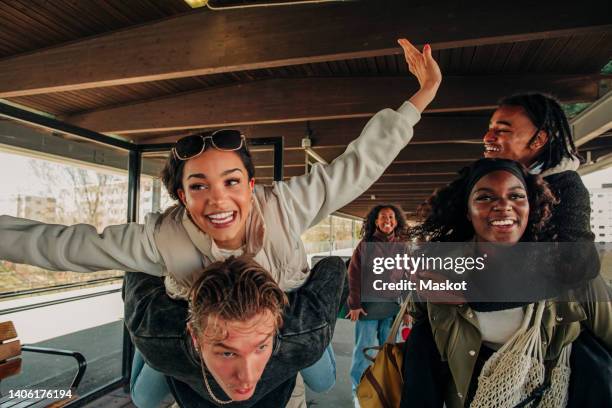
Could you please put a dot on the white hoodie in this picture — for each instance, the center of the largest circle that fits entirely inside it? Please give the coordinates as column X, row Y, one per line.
column 170, row 244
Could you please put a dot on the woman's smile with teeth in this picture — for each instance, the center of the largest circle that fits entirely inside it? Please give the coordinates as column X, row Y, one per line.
column 221, row 217
column 502, row 222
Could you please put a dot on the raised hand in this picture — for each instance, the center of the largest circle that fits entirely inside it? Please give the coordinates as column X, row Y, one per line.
column 421, row 65
column 425, row 69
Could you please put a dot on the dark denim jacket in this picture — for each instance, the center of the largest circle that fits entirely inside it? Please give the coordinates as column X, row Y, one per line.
column 157, row 326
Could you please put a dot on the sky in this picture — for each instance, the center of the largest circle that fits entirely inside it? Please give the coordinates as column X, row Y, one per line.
column 16, row 177
column 596, row 179
column 16, row 174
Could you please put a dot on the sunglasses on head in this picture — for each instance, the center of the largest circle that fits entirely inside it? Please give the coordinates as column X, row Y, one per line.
column 227, row 140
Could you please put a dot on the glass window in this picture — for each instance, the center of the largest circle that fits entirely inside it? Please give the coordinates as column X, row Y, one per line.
column 53, row 178
column 346, row 235
column 334, row 235
column 153, row 196
column 59, row 193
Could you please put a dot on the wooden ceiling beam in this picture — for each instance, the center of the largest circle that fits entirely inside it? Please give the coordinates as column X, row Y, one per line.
column 412, row 205
column 385, row 188
column 410, row 171
column 447, row 169
column 310, row 99
column 389, row 175
column 419, row 193
column 399, row 196
column 205, row 42
column 340, row 132
column 352, row 208
column 362, row 209
column 410, row 154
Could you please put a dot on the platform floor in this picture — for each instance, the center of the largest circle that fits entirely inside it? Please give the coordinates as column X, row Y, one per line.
column 115, row 399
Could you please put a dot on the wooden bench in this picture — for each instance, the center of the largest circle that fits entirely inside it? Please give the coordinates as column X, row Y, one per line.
column 10, row 365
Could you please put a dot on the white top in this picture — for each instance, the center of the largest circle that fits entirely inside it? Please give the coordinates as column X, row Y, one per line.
column 496, row 328
column 221, row 254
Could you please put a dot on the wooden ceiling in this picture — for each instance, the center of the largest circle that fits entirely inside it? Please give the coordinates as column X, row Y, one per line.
column 150, row 71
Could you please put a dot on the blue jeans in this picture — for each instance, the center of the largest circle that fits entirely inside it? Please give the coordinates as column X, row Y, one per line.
column 148, row 388
column 321, row 376
column 368, row 333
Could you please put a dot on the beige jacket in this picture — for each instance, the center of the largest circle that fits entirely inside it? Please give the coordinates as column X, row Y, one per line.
column 170, row 244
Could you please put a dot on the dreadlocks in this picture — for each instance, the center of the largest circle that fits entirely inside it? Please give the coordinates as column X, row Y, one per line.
column 546, row 114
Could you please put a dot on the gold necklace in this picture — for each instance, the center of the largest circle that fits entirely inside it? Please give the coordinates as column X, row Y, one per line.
column 212, row 395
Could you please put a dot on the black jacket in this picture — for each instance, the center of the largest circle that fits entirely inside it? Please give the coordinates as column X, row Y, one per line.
column 157, row 326
column 571, row 223
column 571, row 218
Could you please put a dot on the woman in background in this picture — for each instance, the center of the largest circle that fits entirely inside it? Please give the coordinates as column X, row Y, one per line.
column 385, row 223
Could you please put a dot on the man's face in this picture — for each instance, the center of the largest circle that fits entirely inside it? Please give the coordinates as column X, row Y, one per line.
column 510, row 136
column 237, row 362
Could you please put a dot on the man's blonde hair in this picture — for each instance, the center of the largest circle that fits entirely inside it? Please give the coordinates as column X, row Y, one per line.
column 235, row 290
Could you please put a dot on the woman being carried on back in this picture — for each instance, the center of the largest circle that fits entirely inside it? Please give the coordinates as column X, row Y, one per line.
column 494, row 201
column 221, row 212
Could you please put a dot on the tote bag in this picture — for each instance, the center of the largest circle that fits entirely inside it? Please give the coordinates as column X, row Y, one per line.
column 381, row 383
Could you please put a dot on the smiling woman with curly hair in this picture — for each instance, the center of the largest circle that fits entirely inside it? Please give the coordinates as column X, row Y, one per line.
column 443, row 213
column 384, row 224
column 497, row 201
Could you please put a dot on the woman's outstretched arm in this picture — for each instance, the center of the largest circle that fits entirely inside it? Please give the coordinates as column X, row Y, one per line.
column 309, row 198
column 80, row 248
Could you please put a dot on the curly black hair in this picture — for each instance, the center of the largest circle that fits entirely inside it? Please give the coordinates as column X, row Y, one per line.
column 444, row 213
column 369, row 222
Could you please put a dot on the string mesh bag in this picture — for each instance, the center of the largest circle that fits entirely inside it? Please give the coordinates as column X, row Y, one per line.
column 557, row 394
column 515, row 374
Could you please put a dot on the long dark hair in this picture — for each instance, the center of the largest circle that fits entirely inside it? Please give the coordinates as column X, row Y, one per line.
column 546, row 114
column 369, row 223
column 444, row 214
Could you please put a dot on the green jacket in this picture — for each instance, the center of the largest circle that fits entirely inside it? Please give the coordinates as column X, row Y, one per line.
column 457, row 335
